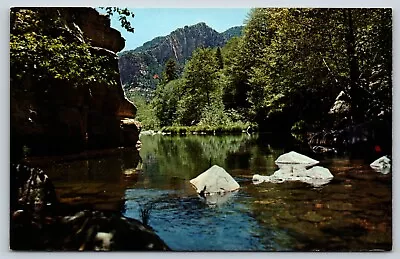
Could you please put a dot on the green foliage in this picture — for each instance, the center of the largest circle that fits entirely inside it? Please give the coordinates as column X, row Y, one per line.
column 146, row 113
column 200, row 76
column 166, row 100
column 170, row 71
column 299, row 130
column 44, row 46
column 209, row 118
column 235, row 127
column 214, row 115
column 151, row 58
column 219, row 58
column 299, row 127
column 231, row 75
column 233, row 32
column 123, row 14
column 286, row 70
column 230, row 52
column 236, row 67
column 291, row 63
column 201, row 103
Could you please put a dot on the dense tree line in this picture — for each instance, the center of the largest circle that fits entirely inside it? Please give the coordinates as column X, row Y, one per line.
column 286, row 71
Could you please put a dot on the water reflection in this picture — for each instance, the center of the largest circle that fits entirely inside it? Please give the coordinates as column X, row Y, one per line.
column 351, row 213
column 294, row 215
column 218, row 199
column 95, row 180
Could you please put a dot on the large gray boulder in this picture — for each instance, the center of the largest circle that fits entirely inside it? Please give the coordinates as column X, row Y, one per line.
column 213, row 181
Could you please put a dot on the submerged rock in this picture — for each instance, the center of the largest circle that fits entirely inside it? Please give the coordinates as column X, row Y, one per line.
column 214, row 180
column 316, row 176
column 382, row 165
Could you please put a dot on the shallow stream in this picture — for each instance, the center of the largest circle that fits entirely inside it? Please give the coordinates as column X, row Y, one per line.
column 351, row 213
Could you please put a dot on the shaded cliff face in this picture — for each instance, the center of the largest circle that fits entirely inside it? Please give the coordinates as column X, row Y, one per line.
column 139, row 67
column 55, row 115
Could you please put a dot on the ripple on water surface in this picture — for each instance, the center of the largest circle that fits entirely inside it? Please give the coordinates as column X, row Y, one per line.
column 188, row 223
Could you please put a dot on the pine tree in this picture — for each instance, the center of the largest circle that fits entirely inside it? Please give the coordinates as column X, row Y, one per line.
column 219, row 58
column 170, row 73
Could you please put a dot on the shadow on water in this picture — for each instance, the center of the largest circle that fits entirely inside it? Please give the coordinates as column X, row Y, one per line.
column 94, row 180
column 351, row 213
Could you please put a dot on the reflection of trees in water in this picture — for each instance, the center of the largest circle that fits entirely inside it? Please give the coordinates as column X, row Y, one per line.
column 254, row 156
column 187, row 156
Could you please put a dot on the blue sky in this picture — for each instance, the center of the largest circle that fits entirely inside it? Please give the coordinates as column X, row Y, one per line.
column 152, row 22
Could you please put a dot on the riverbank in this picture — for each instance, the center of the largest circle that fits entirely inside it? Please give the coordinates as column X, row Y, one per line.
column 204, row 129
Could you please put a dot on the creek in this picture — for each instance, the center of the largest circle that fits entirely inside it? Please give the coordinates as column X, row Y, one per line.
column 351, row 213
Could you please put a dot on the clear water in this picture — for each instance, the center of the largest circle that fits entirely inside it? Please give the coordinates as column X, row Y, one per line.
column 351, row 213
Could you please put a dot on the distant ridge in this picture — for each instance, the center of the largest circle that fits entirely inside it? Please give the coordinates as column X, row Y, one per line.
column 140, row 67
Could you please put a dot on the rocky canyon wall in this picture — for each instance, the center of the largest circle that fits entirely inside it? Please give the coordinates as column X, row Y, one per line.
column 56, row 116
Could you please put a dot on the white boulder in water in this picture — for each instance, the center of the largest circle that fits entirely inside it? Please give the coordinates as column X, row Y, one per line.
column 214, row 180
column 381, row 165
column 295, row 159
column 316, row 176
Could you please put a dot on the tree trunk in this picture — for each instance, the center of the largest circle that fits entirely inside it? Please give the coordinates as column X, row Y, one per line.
column 354, row 72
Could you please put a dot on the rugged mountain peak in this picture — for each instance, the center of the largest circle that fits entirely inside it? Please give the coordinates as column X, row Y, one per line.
column 139, row 67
